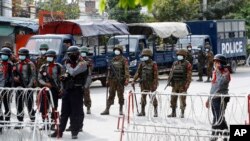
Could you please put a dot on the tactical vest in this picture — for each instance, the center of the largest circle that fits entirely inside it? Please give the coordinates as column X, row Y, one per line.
column 54, row 76
column 118, row 69
column 180, row 72
column 147, row 72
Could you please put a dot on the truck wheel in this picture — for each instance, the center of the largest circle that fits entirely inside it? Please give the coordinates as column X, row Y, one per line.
column 103, row 81
column 233, row 66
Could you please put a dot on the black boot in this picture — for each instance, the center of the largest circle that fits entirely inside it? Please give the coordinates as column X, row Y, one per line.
column 88, row 110
column 173, row 114
column 56, row 134
column 208, row 79
column 121, row 110
column 68, row 129
column 182, row 113
column 106, row 111
column 142, row 113
column 155, row 111
column 74, row 135
column 200, row 79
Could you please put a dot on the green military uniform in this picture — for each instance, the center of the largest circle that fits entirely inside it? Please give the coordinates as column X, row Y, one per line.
column 180, row 77
column 201, row 61
column 42, row 58
column 118, row 77
column 86, row 96
column 148, row 74
column 209, row 62
column 189, row 57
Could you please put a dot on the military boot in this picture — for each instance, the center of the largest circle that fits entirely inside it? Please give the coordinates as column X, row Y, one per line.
column 182, row 113
column 173, row 114
column 56, row 134
column 106, row 111
column 88, row 110
column 121, row 110
column 155, row 112
column 142, row 113
column 200, row 79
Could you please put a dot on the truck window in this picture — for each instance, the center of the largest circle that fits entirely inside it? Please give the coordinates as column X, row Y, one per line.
column 124, row 42
column 33, row 44
column 195, row 42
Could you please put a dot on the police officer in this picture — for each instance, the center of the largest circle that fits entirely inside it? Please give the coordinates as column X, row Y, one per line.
column 148, row 73
column 180, row 78
column 118, row 77
column 42, row 58
column 189, row 54
column 201, row 61
column 49, row 76
column 5, row 81
column 209, row 61
column 72, row 100
column 87, row 100
column 24, row 73
column 13, row 58
column 219, row 98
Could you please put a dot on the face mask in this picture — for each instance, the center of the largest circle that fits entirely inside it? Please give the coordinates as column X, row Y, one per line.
column 22, row 57
column 189, row 48
column 145, row 58
column 180, row 57
column 207, row 49
column 117, row 52
column 43, row 52
column 4, row 57
column 83, row 54
column 199, row 48
column 50, row 59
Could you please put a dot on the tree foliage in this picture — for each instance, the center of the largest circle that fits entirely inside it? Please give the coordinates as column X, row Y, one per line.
column 71, row 10
column 175, row 10
column 121, row 15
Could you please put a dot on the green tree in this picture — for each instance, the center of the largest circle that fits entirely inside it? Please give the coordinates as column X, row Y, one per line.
column 71, row 10
column 128, row 16
column 175, row 10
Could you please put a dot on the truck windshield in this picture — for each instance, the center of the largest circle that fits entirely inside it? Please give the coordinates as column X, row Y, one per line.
column 195, row 42
column 122, row 41
column 33, row 44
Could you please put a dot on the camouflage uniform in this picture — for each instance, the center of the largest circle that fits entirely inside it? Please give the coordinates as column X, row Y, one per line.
column 180, row 77
column 209, row 63
column 24, row 73
column 87, row 99
column 118, row 77
column 148, row 73
column 201, row 61
column 5, row 81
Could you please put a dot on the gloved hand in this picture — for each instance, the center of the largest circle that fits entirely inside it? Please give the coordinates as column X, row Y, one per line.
column 126, row 83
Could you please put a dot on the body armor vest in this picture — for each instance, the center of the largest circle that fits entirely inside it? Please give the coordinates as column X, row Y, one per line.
column 147, row 72
column 180, row 72
column 118, row 67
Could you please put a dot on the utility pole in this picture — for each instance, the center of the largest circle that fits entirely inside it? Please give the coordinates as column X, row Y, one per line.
column 204, row 9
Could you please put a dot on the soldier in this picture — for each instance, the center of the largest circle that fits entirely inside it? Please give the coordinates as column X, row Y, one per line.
column 49, row 76
column 24, row 73
column 201, row 61
column 180, row 78
column 13, row 58
column 219, row 96
column 189, row 54
column 118, row 77
column 87, row 100
column 209, row 61
column 72, row 101
column 42, row 58
column 5, row 81
column 148, row 74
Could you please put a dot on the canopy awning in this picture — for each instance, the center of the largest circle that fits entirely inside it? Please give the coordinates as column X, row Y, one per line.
column 161, row 29
column 31, row 24
column 85, row 28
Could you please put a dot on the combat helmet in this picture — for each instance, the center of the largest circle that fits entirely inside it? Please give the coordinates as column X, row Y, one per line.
column 73, row 50
column 147, row 52
column 44, row 47
column 221, row 58
column 119, row 47
column 182, row 52
column 84, row 49
column 6, row 51
column 50, row 52
column 23, row 51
